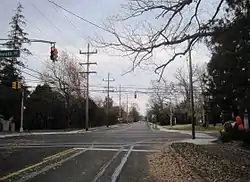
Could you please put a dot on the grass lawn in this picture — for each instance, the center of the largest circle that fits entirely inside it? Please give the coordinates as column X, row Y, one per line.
column 198, row 128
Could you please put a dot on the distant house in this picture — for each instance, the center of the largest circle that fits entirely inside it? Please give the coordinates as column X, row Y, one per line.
column 5, row 124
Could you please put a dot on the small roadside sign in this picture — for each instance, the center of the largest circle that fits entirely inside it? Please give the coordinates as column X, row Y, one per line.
column 9, row 53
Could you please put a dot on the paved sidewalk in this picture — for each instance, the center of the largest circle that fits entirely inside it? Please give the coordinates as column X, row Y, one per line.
column 202, row 138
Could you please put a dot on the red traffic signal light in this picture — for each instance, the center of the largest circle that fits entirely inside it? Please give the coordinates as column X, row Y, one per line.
column 53, row 54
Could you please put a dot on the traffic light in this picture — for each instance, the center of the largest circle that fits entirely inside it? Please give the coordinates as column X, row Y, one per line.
column 53, row 54
column 14, row 85
column 18, row 84
column 135, row 95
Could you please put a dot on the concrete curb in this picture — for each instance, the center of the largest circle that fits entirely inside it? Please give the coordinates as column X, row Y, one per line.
column 50, row 132
column 42, row 133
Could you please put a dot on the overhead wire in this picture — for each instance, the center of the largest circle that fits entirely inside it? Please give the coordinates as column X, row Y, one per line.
column 30, row 74
column 45, row 17
column 78, row 16
column 71, row 23
column 37, row 9
column 52, row 24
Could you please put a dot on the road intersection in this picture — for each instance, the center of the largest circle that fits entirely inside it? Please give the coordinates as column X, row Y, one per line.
column 104, row 154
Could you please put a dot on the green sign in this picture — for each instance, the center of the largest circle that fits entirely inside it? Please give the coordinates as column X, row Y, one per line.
column 9, row 53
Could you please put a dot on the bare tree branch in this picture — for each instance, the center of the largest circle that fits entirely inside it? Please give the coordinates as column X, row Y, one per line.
column 180, row 21
column 65, row 76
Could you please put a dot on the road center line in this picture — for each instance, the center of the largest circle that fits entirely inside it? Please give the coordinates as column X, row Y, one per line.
column 45, row 160
column 103, row 169
column 119, row 168
column 59, row 154
column 118, row 149
column 35, row 173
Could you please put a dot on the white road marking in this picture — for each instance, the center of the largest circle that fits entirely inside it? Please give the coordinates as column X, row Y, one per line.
column 103, row 169
column 118, row 149
column 119, row 168
column 144, row 150
column 122, row 129
column 35, row 173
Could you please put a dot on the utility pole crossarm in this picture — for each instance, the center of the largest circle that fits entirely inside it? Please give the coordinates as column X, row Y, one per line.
column 85, row 72
column 88, row 52
column 110, row 80
column 87, row 63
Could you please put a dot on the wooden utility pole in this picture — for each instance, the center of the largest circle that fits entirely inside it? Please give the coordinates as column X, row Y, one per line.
column 120, row 102
column 191, row 91
column 108, row 99
column 87, row 72
column 127, row 110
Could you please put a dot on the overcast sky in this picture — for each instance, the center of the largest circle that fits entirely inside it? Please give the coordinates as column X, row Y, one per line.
column 45, row 21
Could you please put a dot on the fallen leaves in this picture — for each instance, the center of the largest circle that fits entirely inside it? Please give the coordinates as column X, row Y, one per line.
column 168, row 166
column 184, row 162
column 215, row 162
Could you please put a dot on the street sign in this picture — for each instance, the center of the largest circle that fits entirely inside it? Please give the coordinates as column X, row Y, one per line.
column 9, row 53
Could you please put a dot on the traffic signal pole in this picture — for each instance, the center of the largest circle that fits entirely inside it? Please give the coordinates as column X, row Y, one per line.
column 16, row 53
column 22, row 108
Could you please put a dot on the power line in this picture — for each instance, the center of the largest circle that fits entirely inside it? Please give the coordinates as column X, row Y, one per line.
column 53, row 24
column 42, row 32
column 72, row 24
column 33, row 70
column 85, row 20
column 30, row 74
column 37, row 59
column 41, row 13
column 147, row 90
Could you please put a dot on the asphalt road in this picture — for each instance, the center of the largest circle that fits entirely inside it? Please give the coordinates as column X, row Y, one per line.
column 101, row 155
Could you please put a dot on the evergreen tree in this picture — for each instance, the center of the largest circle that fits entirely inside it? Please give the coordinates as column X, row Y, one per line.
column 10, row 67
column 17, row 33
column 229, row 67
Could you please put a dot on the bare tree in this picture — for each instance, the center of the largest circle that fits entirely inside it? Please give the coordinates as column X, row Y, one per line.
column 98, row 101
column 162, row 95
column 65, row 77
column 162, row 92
column 173, row 24
column 182, row 78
